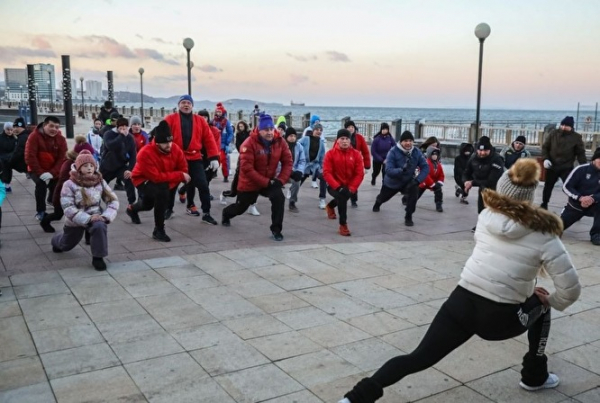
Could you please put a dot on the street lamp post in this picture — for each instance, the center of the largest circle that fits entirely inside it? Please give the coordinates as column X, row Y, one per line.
column 141, row 71
column 188, row 44
column 82, row 104
column 482, row 31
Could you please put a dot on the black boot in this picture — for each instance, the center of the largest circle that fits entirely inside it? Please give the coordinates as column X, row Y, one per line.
column 408, row 221
column 87, row 238
column 45, row 224
column 160, row 235
column 438, row 207
column 99, row 263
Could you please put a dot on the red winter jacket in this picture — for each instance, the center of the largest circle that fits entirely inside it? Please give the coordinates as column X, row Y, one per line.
column 360, row 144
column 343, row 168
column 436, row 174
column 154, row 166
column 257, row 167
column 217, row 134
column 202, row 137
column 44, row 153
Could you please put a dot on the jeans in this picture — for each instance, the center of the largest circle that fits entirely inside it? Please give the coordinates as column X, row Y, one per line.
column 294, row 189
column 246, row 199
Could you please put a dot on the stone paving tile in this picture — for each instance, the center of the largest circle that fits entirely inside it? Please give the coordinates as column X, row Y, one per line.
column 379, row 323
column 162, row 262
column 136, row 277
column 10, row 308
column 128, row 328
column 334, row 334
column 367, row 354
column 58, row 364
column 48, row 318
column 256, row 288
column 421, row 385
column 277, row 302
column 175, row 311
column 111, row 384
column 15, row 340
column 38, row 393
column 105, row 311
column 145, row 346
column 256, row 326
column 228, row 356
column 249, row 386
column 285, row 345
column 586, row 356
column 238, row 308
column 573, row 379
column 175, row 272
column 196, row 282
column 304, row 318
column 335, row 302
column 591, row 396
column 21, row 372
column 204, row 336
column 104, row 280
column 34, row 278
column 298, row 397
column 41, row 289
column 94, row 295
column 460, row 394
column 417, row 314
column 149, row 288
column 61, row 338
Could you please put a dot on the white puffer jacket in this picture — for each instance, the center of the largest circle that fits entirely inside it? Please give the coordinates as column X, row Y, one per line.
column 510, row 249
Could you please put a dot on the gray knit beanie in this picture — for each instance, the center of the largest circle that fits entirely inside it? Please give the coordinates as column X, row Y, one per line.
column 520, row 181
column 135, row 120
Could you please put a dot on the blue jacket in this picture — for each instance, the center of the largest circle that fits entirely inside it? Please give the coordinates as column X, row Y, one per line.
column 380, row 146
column 226, row 133
column 402, row 167
column 118, row 151
column 583, row 181
column 317, row 164
column 299, row 159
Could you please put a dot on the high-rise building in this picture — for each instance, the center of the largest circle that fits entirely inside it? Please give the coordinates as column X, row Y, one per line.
column 93, row 90
column 74, row 89
column 16, row 84
column 44, row 77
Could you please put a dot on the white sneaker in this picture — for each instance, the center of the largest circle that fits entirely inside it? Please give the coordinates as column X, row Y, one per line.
column 550, row 383
column 288, row 193
column 222, row 199
column 322, row 204
column 345, row 400
column 253, row 211
column 314, row 185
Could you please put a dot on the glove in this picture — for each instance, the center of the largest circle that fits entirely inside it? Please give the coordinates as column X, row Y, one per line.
column 275, row 184
column 46, row 177
column 296, row 176
column 214, row 165
column 345, row 192
column 547, row 164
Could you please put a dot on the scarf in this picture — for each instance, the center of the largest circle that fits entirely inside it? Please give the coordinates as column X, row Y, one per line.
column 84, row 181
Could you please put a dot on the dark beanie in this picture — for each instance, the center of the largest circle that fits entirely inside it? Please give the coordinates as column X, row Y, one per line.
column 407, row 135
column 349, row 123
column 521, row 139
column 289, row 131
column 596, row 154
column 19, row 122
column 162, row 133
column 204, row 113
column 343, row 133
column 568, row 121
column 484, row 143
column 384, row 126
column 122, row 122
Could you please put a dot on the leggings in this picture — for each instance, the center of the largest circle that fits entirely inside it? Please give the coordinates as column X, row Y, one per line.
column 462, row 316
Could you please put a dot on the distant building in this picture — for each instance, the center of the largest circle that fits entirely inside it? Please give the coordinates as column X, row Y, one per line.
column 93, row 90
column 16, row 84
column 45, row 79
column 74, row 89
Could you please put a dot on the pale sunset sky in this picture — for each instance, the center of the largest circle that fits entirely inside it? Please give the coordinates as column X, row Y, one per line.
column 541, row 54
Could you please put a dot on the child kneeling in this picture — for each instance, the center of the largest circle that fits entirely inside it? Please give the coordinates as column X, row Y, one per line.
column 80, row 199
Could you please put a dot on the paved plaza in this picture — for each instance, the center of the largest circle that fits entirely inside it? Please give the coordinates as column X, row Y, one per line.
column 228, row 315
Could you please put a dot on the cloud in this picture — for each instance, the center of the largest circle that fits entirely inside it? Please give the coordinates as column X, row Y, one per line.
column 209, row 68
column 139, row 36
column 154, row 54
column 302, row 58
column 180, row 78
column 76, row 20
column 40, row 43
column 11, row 53
column 337, row 56
column 160, row 40
column 297, row 79
column 104, row 46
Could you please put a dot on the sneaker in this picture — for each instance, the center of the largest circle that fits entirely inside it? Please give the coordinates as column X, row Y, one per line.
column 408, row 221
column 293, row 208
column 252, row 210
column 182, row 197
column 278, row 236
column 330, row 212
column 463, row 200
column 168, row 213
column 314, row 185
column 344, row 231
column 207, row 219
column 225, row 222
column 288, row 193
column 192, row 210
column 345, row 400
column 596, row 239
column 99, row 263
column 160, row 235
column 119, row 186
column 438, row 208
column 8, row 189
column 544, row 206
column 45, row 224
column 226, row 179
column 354, row 205
column 376, row 208
column 56, row 250
column 550, row 383
column 222, row 199
column 135, row 218
column 322, row 204
column 40, row 215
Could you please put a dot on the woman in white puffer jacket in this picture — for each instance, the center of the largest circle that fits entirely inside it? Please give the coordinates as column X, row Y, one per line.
column 496, row 297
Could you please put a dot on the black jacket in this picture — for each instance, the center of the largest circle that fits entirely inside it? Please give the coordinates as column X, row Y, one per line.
column 17, row 159
column 460, row 162
column 583, row 181
column 118, row 151
column 562, row 148
column 105, row 115
column 7, row 146
column 240, row 137
column 484, row 172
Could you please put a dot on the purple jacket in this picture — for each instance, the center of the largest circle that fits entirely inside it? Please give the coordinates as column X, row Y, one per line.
column 380, row 147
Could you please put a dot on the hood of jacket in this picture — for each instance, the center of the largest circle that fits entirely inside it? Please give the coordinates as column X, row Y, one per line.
column 466, row 147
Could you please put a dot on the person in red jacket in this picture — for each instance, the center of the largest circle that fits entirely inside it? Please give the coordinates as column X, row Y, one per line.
column 358, row 143
column 45, row 152
column 435, row 179
column 192, row 134
column 343, row 170
column 265, row 165
column 160, row 167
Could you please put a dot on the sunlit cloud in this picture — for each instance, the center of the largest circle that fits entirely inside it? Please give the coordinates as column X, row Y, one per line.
column 301, row 58
column 40, row 43
column 10, row 54
column 337, row 56
column 209, row 68
column 297, row 79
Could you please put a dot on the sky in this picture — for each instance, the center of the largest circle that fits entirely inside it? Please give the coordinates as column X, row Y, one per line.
column 541, row 54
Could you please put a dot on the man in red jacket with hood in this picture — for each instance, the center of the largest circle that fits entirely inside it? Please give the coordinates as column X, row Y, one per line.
column 45, row 151
column 343, row 171
column 192, row 134
column 260, row 174
column 160, row 167
column 359, row 143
